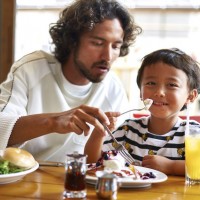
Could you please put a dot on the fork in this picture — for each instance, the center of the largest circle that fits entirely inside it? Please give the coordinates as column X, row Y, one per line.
column 121, row 149
column 147, row 105
column 51, row 164
column 135, row 109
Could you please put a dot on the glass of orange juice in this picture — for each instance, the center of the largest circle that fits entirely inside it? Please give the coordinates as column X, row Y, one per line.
column 192, row 155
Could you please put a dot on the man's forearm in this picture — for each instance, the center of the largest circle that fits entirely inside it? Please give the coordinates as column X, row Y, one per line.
column 29, row 127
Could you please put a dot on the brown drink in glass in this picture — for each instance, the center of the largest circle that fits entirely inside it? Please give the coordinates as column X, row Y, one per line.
column 75, row 172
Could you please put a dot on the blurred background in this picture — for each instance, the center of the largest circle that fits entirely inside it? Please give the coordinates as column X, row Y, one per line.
column 165, row 24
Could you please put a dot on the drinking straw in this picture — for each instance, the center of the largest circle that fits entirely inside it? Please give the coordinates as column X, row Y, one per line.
column 187, row 119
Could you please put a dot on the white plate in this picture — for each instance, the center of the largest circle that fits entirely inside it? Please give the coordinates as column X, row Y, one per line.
column 128, row 182
column 10, row 178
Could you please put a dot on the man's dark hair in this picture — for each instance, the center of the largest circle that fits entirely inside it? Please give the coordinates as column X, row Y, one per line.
column 82, row 16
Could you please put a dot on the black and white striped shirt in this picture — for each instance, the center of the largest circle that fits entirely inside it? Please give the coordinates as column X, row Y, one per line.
column 134, row 135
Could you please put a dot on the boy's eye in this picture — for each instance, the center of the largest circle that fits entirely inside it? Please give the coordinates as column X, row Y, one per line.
column 173, row 85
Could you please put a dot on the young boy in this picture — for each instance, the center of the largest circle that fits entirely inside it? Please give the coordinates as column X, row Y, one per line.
column 171, row 79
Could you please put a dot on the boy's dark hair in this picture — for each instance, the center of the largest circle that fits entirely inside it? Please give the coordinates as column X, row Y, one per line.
column 82, row 16
column 175, row 58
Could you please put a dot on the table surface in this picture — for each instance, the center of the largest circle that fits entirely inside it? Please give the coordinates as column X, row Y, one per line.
column 48, row 183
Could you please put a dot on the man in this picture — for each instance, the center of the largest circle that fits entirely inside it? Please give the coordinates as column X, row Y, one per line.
column 48, row 101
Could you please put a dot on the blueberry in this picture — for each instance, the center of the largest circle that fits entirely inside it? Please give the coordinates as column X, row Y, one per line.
column 115, row 152
column 106, row 156
column 98, row 163
column 127, row 164
column 152, row 175
column 146, row 174
column 144, row 177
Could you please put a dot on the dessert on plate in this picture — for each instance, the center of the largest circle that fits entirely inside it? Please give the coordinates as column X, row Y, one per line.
column 113, row 162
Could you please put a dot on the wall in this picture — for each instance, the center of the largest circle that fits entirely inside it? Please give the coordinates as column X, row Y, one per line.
column 7, row 21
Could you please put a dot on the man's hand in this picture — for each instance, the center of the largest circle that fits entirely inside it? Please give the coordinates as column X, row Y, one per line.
column 112, row 116
column 77, row 120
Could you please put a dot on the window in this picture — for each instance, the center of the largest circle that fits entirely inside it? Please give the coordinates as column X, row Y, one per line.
column 166, row 24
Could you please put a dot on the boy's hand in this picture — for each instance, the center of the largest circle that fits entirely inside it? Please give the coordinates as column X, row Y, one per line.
column 159, row 163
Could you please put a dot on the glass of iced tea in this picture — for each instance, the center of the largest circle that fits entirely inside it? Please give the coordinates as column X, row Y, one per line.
column 75, row 172
column 192, row 155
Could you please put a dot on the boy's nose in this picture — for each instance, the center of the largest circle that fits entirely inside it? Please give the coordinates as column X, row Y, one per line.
column 160, row 92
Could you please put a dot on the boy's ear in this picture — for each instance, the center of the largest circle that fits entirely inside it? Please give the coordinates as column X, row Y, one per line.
column 192, row 96
column 141, row 95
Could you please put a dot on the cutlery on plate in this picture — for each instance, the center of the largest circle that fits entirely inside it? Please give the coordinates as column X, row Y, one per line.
column 51, row 164
column 121, row 149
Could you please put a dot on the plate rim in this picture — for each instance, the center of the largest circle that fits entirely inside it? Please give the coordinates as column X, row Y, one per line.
column 22, row 173
column 134, row 183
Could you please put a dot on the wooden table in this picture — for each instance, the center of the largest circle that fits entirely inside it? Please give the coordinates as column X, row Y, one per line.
column 48, row 183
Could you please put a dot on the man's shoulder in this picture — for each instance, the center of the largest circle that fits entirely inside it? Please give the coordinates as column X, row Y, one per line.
column 35, row 56
column 34, row 61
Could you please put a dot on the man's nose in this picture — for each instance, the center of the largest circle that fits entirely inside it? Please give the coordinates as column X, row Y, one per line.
column 107, row 53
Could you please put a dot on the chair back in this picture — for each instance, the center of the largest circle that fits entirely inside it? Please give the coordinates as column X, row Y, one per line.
column 194, row 117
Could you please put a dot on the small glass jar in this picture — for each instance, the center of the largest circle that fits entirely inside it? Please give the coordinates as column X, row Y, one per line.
column 75, row 172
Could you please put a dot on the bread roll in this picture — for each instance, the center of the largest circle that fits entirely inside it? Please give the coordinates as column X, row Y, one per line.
column 19, row 157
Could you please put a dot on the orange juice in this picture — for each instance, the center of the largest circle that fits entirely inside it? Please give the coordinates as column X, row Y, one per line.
column 192, row 153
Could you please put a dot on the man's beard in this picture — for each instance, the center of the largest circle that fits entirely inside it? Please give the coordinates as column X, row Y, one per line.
column 86, row 72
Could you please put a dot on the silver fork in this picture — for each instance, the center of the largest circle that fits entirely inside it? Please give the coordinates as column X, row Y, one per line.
column 147, row 105
column 135, row 109
column 121, row 149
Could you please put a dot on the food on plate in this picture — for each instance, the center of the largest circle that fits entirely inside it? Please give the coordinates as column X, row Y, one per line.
column 113, row 162
column 111, row 159
column 14, row 160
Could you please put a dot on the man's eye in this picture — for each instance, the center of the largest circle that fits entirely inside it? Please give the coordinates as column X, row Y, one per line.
column 97, row 43
column 117, row 46
column 150, row 83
